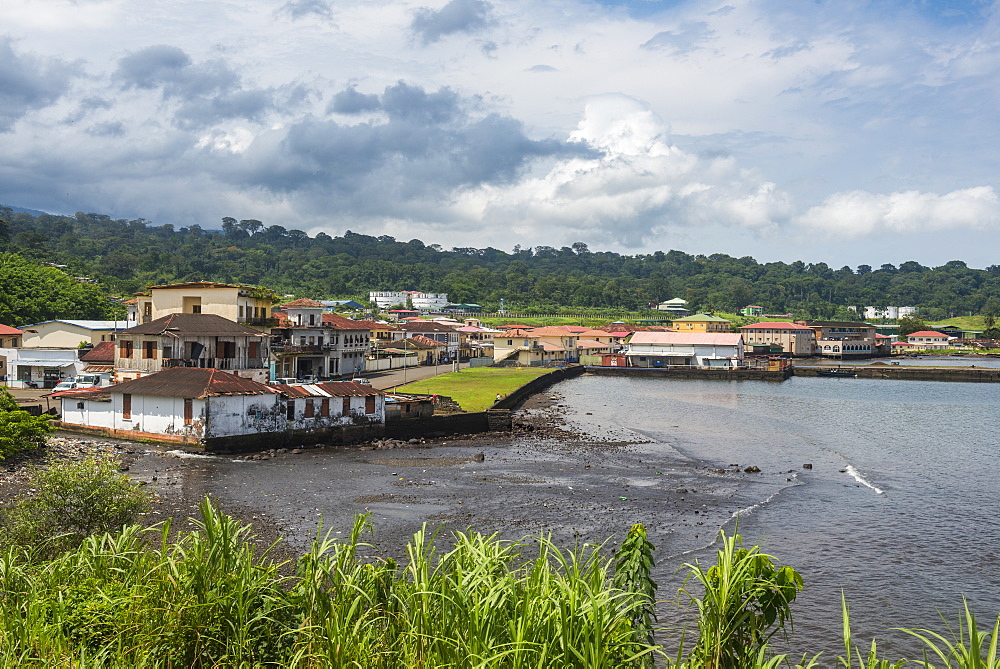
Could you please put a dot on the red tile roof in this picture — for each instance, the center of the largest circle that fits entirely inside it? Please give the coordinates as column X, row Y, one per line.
column 303, row 302
column 193, row 325
column 926, row 333
column 338, row 322
column 8, row 330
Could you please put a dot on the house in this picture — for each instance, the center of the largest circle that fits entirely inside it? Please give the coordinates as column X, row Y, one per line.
column 247, row 305
column 100, row 360
column 216, row 410
column 10, row 337
column 192, row 340
column 676, row 306
column 685, row 349
column 752, row 311
column 64, row 333
column 522, row 348
column 310, row 343
column 444, row 334
column 340, row 411
column 797, row 340
column 845, row 339
column 927, row 339
column 702, row 323
column 39, row 367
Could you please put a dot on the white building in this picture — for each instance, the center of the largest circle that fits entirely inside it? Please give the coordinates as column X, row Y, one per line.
column 41, row 367
column 217, row 410
column 685, row 349
column 889, row 313
column 386, row 299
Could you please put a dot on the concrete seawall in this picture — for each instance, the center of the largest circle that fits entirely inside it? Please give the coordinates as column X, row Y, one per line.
column 903, row 373
column 693, row 373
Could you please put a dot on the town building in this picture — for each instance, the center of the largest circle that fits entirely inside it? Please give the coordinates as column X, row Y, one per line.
column 247, row 305
column 415, row 299
column 192, row 340
column 685, row 349
column 890, row 313
column 846, row 339
column 752, row 311
column 702, row 323
column 676, row 306
column 446, row 335
column 924, row 340
column 796, row 340
column 70, row 334
column 217, row 410
column 311, row 344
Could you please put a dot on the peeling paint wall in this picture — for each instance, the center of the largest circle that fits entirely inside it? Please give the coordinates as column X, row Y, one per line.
column 244, row 414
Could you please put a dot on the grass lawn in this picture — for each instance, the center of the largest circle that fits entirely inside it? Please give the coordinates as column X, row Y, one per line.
column 476, row 389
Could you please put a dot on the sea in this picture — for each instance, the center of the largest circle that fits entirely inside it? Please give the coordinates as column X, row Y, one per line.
column 882, row 492
column 899, row 511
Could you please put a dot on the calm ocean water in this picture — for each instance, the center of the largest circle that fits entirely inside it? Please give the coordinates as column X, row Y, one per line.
column 900, row 511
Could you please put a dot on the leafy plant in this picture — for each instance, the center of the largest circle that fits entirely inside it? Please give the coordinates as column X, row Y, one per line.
column 19, row 431
column 75, row 500
column 746, row 600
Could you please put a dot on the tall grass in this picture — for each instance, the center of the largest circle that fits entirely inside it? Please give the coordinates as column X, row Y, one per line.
column 205, row 599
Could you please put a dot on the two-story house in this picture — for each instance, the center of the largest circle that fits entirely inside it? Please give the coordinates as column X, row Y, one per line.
column 247, row 305
column 310, row 343
column 844, row 339
column 192, row 340
column 797, row 340
column 447, row 335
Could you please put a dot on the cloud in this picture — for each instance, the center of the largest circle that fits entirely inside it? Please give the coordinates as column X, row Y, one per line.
column 858, row 214
column 29, row 83
column 349, row 101
column 206, row 92
column 298, row 9
column 458, row 16
column 423, row 145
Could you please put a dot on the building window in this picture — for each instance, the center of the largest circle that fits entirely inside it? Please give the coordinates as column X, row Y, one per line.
column 188, row 410
column 310, row 410
column 290, row 410
column 324, row 407
column 370, row 404
column 196, row 309
column 253, row 349
column 347, row 406
column 125, row 349
column 126, row 406
column 148, row 350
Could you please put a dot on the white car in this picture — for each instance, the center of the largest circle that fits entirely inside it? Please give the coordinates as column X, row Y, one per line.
column 66, row 385
column 364, row 382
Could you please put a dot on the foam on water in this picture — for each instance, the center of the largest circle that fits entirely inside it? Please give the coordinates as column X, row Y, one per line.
column 860, row 478
column 191, row 456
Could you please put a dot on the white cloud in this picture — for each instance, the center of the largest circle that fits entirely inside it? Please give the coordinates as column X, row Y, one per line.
column 858, row 214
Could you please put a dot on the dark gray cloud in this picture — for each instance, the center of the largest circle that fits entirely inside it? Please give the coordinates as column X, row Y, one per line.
column 298, row 9
column 28, row 83
column 458, row 16
column 207, row 92
column 426, row 147
column 349, row 101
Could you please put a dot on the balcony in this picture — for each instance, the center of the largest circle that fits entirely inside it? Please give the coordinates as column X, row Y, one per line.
column 300, row 349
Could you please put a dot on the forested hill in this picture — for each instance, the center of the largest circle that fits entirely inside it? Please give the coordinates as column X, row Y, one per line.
column 126, row 256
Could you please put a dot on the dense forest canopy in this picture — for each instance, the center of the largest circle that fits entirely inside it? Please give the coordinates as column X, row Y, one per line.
column 125, row 256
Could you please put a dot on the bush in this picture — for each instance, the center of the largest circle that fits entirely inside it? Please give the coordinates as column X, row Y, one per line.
column 20, row 431
column 73, row 501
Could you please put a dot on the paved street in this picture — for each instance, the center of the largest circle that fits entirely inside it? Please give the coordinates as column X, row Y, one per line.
column 387, row 380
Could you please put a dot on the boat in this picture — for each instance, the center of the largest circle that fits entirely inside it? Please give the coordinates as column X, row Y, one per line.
column 846, row 373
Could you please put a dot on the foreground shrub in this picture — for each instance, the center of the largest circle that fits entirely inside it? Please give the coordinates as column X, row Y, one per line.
column 74, row 500
column 19, row 430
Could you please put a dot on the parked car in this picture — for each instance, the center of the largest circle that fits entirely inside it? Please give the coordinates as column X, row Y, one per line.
column 285, row 381
column 67, row 384
column 364, row 382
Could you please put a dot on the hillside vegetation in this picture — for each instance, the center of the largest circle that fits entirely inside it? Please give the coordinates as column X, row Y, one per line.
column 126, row 256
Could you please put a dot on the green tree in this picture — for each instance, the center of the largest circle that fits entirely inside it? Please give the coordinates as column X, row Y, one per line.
column 910, row 324
column 19, row 431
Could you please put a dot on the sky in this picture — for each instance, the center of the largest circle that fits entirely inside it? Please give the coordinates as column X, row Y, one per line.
column 843, row 132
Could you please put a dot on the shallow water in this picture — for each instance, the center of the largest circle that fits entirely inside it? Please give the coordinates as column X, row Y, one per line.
column 900, row 509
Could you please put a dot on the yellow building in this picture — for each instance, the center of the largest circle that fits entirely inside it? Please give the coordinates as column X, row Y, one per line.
column 241, row 304
column 62, row 333
column 702, row 323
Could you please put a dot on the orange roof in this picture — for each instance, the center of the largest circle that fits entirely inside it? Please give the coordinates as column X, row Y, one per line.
column 304, row 302
column 103, row 352
column 926, row 333
column 339, row 322
column 8, row 330
column 775, row 325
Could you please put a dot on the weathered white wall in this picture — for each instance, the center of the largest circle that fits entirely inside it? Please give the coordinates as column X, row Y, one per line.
column 160, row 415
column 236, row 415
column 93, row 413
column 337, row 417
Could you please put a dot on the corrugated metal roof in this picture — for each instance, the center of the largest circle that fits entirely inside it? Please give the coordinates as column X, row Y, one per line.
column 104, row 352
column 328, row 389
column 195, row 382
column 99, row 369
column 193, row 325
column 99, row 394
